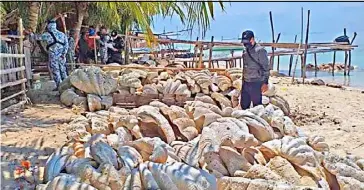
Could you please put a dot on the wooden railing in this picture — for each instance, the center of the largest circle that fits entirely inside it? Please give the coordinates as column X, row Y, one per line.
column 12, row 75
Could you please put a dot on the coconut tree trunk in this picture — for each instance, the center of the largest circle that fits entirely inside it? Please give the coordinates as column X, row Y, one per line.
column 33, row 15
column 81, row 8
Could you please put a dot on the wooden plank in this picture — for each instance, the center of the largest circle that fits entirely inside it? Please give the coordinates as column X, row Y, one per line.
column 12, row 70
column 306, row 42
column 21, row 81
column 110, row 68
column 275, row 45
column 12, row 96
column 10, row 108
column 8, row 55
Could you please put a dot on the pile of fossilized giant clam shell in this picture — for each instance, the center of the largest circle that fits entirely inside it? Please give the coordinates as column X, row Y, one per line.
column 203, row 145
column 91, row 88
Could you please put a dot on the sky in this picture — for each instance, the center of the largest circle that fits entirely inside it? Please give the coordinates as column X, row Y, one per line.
column 327, row 21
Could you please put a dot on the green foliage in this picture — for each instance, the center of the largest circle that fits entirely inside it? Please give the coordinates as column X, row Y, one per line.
column 123, row 16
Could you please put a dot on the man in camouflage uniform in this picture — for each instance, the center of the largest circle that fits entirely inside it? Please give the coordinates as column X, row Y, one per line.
column 57, row 51
column 71, row 48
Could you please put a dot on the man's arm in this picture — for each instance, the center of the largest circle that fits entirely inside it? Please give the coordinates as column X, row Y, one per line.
column 263, row 59
column 39, row 37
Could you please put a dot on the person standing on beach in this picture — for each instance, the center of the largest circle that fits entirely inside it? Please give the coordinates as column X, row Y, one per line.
column 255, row 71
column 57, row 50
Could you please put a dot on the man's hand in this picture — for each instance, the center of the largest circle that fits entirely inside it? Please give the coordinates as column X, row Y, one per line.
column 264, row 88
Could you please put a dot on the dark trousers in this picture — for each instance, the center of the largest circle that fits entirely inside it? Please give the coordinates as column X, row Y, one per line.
column 251, row 92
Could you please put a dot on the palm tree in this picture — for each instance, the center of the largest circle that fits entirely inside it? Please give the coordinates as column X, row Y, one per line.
column 33, row 15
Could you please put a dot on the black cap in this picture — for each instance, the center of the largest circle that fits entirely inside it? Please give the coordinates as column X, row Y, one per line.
column 114, row 33
column 247, row 35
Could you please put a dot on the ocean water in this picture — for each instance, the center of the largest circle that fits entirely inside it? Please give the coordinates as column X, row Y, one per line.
column 356, row 78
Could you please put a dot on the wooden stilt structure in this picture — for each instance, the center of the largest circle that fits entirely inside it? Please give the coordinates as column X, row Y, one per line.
column 306, row 42
column 291, row 59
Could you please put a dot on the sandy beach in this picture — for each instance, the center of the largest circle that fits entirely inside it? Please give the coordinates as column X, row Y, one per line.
column 336, row 114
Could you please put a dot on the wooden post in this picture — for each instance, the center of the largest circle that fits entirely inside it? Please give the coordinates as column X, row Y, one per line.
column 272, row 27
column 306, row 42
column 315, row 57
column 277, row 40
column 291, row 58
column 333, row 63
column 351, row 43
column 346, row 56
column 346, row 62
column 299, row 46
column 200, row 57
column 210, row 50
column 21, row 60
column 195, row 52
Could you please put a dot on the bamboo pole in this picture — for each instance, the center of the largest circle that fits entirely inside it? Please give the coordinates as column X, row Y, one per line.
column 346, row 56
column 299, row 46
column 315, row 57
column 210, row 50
column 277, row 40
column 306, row 42
column 291, row 58
column 346, row 62
column 21, row 61
column 10, row 55
column 272, row 27
column 12, row 70
column 333, row 63
column 20, row 81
